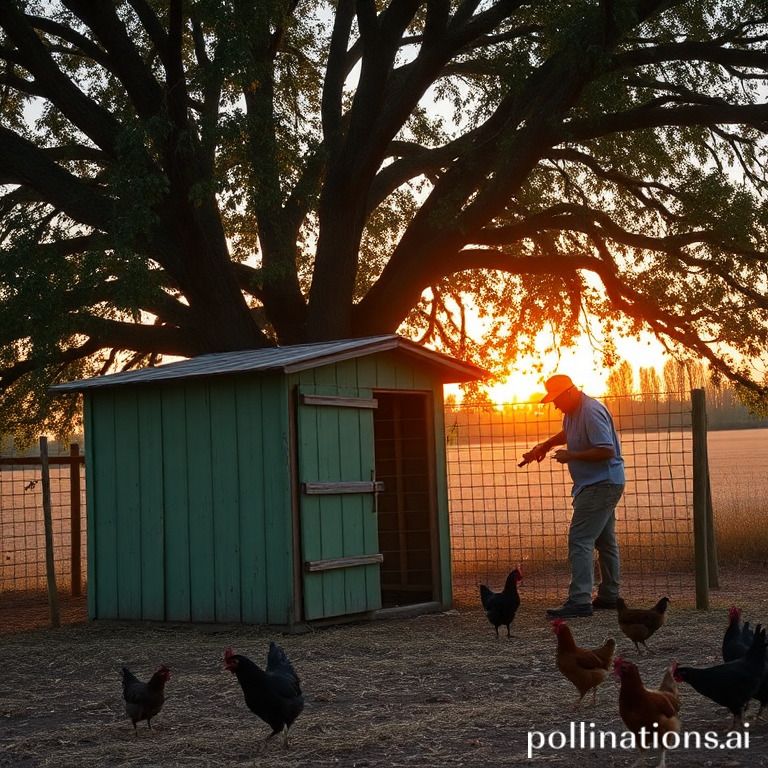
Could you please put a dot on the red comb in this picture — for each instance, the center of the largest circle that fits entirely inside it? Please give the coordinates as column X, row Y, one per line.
column 556, row 624
column 228, row 653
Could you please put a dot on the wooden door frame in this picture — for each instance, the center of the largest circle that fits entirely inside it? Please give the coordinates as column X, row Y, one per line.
column 428, row 398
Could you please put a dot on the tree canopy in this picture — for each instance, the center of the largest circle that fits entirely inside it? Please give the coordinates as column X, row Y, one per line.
column 195, row 176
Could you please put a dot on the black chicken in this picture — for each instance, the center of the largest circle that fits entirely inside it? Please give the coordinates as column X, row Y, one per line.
column 501, row 607
column 144, row 700
column 732, row 684
column 273, row 694
column 735, row 642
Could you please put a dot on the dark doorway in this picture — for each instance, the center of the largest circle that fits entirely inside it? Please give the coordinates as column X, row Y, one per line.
column 406, row 506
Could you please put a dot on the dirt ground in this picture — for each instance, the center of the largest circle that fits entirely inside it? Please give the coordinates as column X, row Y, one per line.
column 437, row 690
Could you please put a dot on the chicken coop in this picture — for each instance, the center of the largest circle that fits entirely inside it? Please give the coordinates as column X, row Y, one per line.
column 270, row 486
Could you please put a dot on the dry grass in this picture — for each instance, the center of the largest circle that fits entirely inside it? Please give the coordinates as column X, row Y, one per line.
column 742, row 530
column 437, row 690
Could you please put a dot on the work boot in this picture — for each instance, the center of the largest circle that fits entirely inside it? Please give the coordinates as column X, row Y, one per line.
column 570, row 610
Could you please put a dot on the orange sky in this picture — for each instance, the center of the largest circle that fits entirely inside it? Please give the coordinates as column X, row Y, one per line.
column 583, row 364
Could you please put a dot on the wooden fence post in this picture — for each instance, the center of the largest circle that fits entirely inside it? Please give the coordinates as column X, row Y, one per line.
column 700, row 484
column 53, row 595
column 713, row 567
column 74, row 520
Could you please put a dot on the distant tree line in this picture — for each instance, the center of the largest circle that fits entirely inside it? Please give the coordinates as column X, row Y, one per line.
column 725, row 410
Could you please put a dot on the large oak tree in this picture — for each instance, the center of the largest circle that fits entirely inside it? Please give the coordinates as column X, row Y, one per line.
column 182, row 177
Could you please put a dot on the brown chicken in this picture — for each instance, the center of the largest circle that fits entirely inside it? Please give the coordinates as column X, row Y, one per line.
column 638, row 624
column 585, row 668
column 144, row 700
column 641, row 708
column 669, row 684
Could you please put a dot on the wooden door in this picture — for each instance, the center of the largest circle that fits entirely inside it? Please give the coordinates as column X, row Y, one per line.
column 337, row 502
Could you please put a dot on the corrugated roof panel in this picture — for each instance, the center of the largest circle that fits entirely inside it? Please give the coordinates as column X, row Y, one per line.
column 286, row 359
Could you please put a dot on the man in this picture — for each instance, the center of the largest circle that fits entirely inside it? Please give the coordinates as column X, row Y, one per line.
column 593, row 456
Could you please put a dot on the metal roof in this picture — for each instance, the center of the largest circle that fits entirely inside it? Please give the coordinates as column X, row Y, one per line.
column 291, row 359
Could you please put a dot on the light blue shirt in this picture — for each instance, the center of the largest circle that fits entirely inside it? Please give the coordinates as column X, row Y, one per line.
column 591, row 426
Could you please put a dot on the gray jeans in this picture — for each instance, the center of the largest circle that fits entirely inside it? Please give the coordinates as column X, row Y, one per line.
column 593, row 526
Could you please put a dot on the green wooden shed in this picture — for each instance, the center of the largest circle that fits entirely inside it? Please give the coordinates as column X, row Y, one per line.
column 271, row 486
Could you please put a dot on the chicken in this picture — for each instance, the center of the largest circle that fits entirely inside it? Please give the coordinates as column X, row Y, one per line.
column 638, row 624
column 733, row 683
column 144, row 700
column 669, row 685
column 273, row 694
column 501, row 607
column 585, row 668
column 762, row 693
column 735, row 644
column 747, row 634
column 641, row 708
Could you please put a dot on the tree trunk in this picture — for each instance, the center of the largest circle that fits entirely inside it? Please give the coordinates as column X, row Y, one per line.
column 342, row 213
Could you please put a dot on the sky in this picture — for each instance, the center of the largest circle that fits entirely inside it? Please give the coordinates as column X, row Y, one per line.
column 583, row 364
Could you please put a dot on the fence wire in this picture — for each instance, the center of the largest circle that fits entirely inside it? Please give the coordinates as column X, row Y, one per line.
column 22, row 528
column 503, row 515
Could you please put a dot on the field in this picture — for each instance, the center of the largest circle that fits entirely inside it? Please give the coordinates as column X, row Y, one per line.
column 738, row 466
column 432, row 691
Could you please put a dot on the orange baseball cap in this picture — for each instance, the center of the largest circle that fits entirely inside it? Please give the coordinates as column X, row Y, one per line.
column 555, row 386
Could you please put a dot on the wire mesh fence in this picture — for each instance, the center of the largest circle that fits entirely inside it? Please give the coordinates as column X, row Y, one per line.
column 22, row 529
column 503, row 515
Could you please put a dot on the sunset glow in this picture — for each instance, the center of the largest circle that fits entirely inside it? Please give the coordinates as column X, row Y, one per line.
column 583, row 364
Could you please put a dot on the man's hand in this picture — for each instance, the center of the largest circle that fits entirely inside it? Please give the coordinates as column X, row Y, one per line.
column 537, row 453
column 562, row 456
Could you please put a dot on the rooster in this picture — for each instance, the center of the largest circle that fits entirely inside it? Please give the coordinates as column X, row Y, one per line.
column 733, row 683
column 501, row 607
column 144, row 700
column 273, row 694
column 641, row 708
column 638, row 624
column 585, row 668
column 735, row 642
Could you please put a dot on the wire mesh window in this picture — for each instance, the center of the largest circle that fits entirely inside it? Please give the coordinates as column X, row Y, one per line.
column 22, row 527
column 503, row 515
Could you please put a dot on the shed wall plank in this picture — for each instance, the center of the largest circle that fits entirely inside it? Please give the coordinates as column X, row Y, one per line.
column 127, row 505
column 105, row 530
column 277, row 500
column 226, row 501
column 151, row 501
column 200, row 503
column 250, row 457
column 175, row 496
